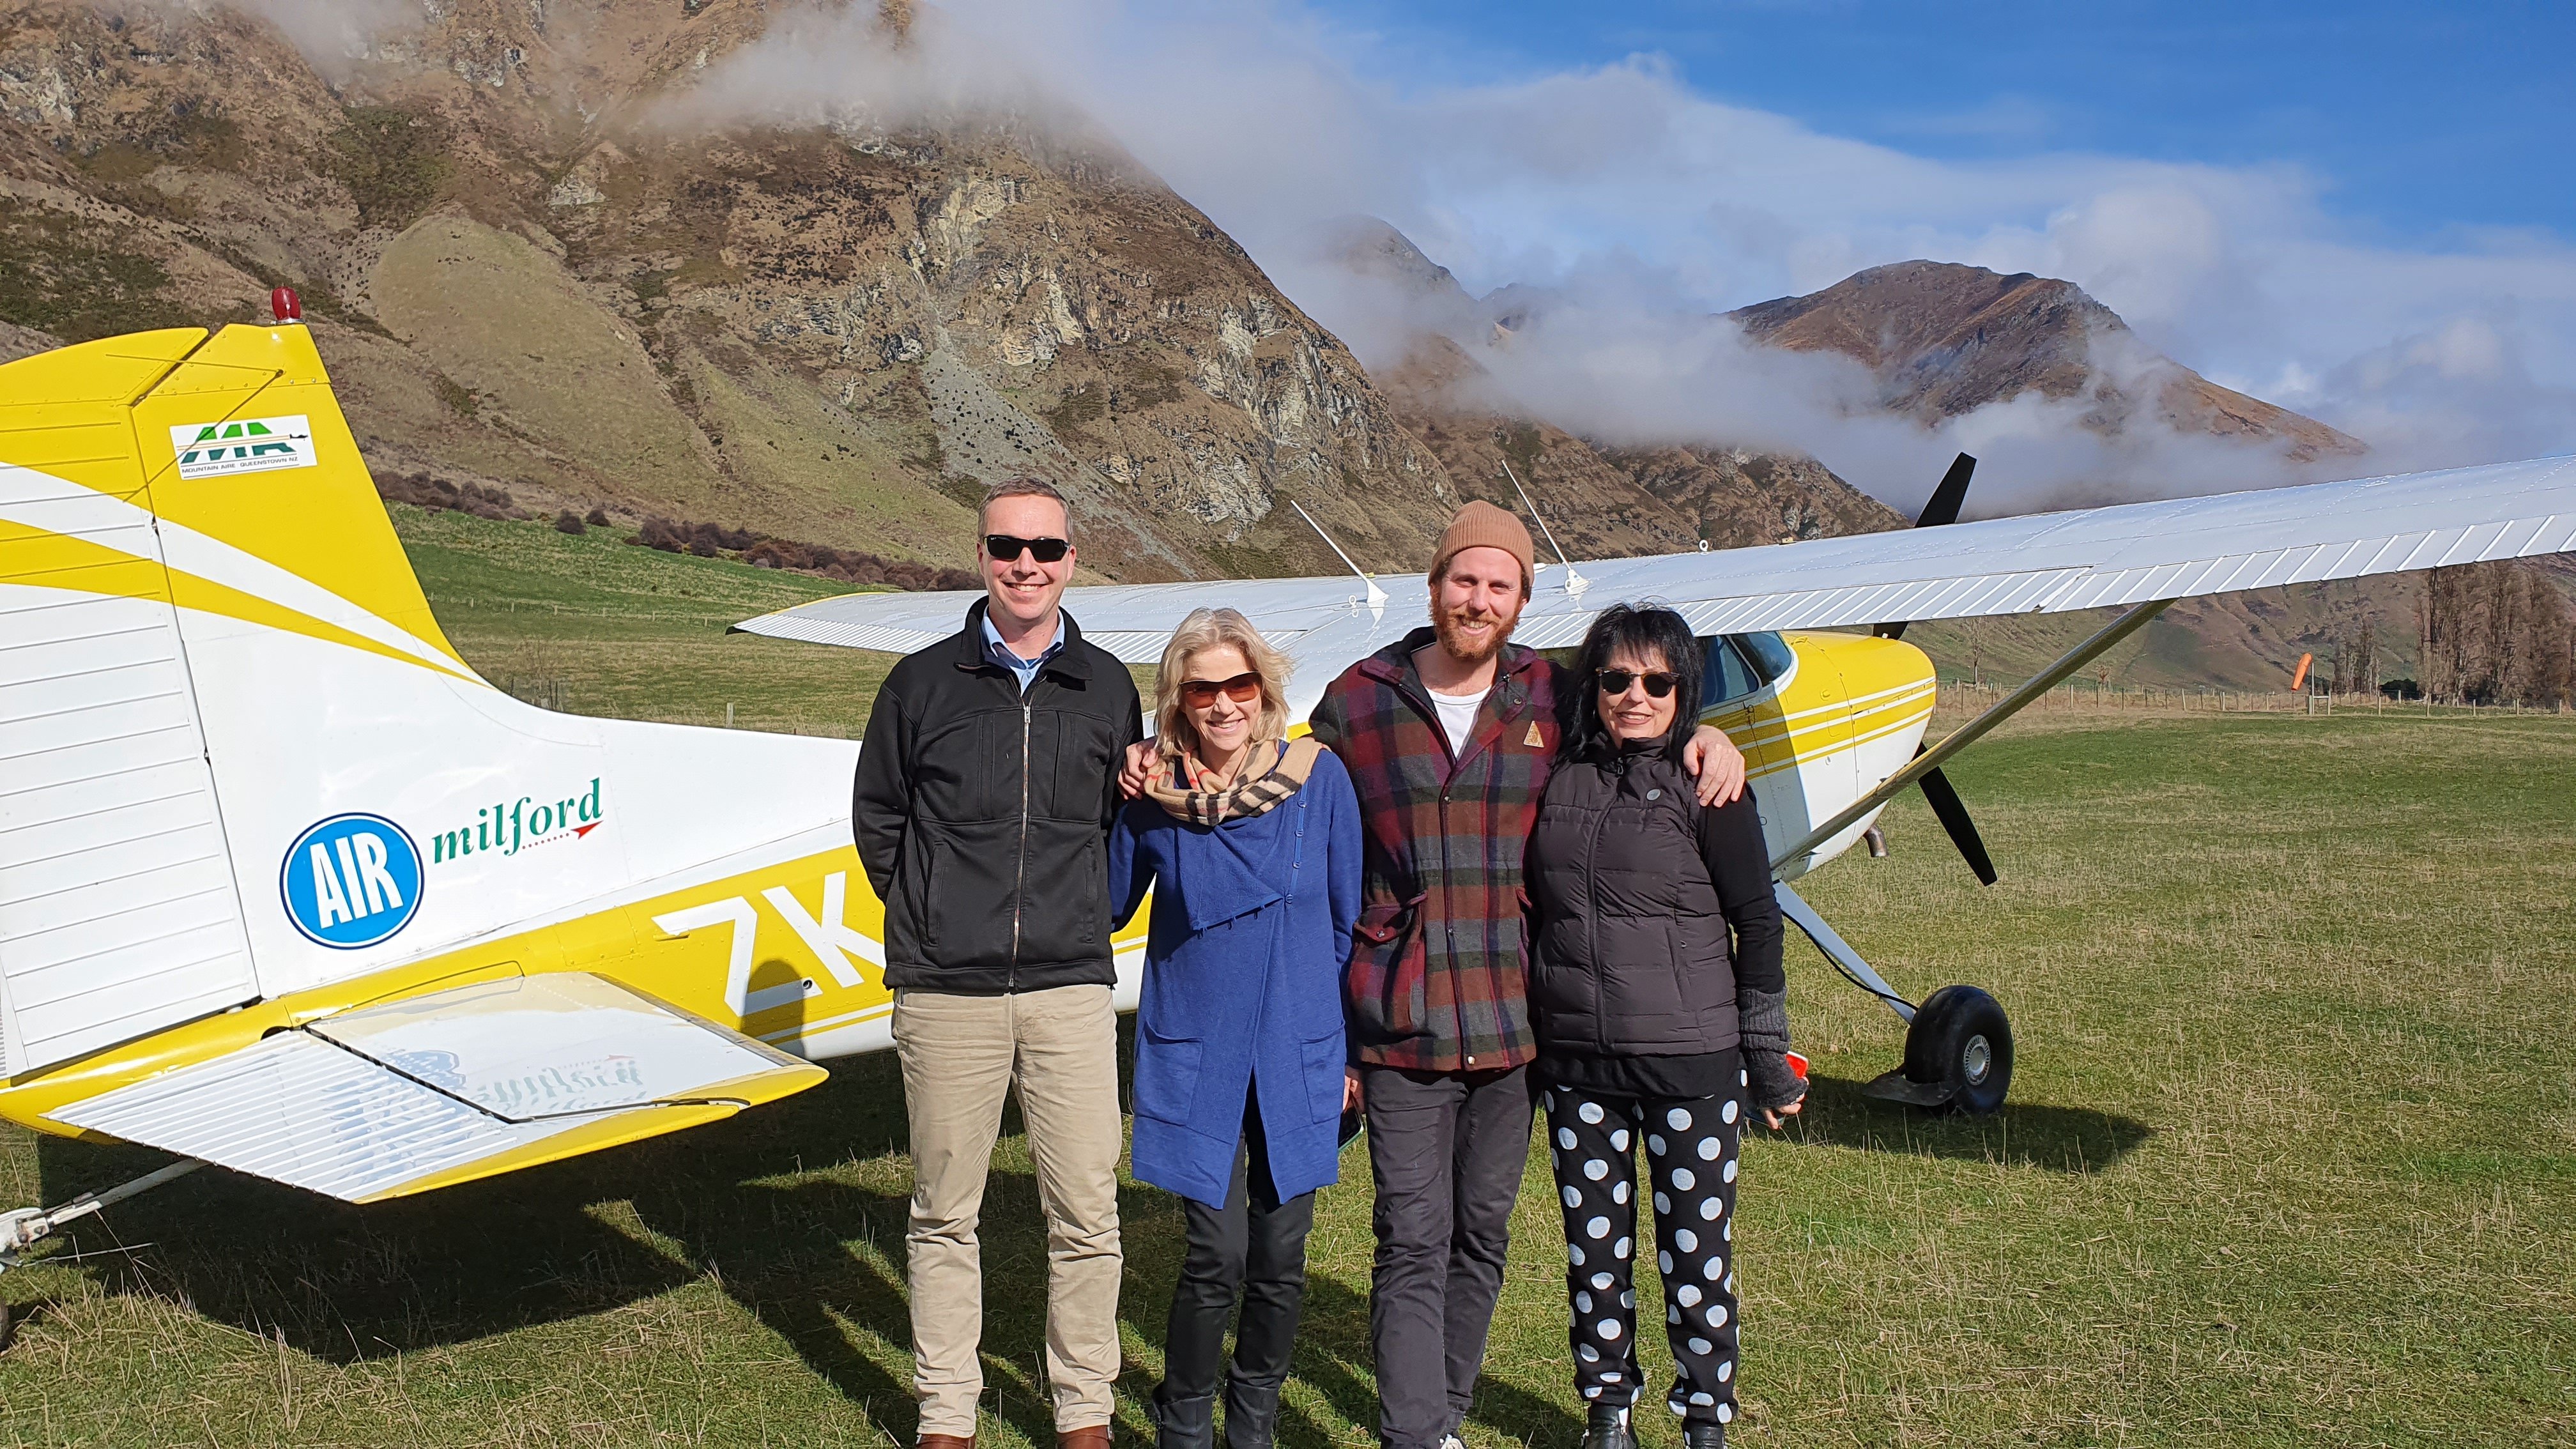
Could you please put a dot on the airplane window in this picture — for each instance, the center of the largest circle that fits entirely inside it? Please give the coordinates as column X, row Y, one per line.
column 1771, row 654
column 1728, row 677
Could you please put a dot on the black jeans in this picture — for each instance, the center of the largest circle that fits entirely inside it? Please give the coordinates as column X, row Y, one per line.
column 1256, row 1244
column 1447, row 1152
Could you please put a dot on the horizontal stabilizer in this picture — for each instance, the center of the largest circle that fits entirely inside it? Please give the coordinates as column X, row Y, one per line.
column 438, row 1089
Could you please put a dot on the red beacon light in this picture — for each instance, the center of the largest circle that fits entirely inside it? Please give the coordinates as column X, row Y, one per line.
column 284, row 303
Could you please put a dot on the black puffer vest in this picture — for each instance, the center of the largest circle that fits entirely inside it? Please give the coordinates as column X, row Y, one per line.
column 1632, row 945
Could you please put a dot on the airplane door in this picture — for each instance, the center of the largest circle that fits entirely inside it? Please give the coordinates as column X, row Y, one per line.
column 1794, row 724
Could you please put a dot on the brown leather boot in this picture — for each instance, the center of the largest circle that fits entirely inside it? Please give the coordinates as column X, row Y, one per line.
column 945, row 1441
column 1094, row 1437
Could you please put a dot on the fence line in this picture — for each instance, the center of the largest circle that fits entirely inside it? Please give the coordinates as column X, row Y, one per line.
column 2092, row 698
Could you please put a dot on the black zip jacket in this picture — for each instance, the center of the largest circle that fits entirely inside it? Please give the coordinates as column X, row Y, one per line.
column 983, row 815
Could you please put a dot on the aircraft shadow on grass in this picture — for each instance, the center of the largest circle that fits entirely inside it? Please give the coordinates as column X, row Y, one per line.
column 2022, row 1134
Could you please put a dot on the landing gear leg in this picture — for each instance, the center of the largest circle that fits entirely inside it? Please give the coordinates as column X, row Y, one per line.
column 1958, row 1043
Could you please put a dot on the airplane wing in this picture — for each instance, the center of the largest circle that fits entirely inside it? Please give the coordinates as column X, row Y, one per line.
column 439, row 1089
column 2036, row 564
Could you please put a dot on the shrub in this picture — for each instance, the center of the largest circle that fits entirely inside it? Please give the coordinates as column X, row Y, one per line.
column 852, row 566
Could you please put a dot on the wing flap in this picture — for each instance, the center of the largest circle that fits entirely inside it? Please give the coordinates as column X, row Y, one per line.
column 438, row 1089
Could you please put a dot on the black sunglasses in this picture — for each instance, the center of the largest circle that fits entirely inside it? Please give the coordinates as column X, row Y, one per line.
column 1002, row 548
column 1616, row 681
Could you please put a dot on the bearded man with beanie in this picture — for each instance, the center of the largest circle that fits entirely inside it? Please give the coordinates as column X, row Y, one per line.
column 1447, row 737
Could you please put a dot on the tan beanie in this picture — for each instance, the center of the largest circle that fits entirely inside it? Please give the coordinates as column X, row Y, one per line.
column 1482, row 525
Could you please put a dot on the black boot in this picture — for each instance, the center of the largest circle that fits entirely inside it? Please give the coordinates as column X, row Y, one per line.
column 1703, row 1436
column 1251, row 1412
column 1185, row 1423
column 1606, row 1427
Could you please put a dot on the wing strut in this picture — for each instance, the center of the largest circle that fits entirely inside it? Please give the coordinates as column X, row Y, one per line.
column 2129, row 622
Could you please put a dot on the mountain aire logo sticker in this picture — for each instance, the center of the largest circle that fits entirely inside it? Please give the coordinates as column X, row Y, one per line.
column 243, row 445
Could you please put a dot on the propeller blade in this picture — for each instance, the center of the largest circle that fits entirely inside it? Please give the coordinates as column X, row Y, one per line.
column 1943, row 507
column 1954, row 818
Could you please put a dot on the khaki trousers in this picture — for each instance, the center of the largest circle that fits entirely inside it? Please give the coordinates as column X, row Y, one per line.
column 960, row 1055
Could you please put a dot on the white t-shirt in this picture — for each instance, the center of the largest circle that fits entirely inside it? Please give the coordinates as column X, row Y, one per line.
column 1458, row 715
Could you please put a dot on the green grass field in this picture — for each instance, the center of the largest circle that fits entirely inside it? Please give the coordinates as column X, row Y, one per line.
column 2290, row 1160
column 612, row 629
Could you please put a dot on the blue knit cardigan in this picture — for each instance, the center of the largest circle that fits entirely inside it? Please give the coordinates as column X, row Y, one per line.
column 1244, row 956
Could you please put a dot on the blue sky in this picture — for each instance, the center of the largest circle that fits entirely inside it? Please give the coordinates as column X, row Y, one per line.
column 2419, row 118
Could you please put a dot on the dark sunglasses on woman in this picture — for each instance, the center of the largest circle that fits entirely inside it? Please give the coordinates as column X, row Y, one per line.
column 1616, row 681
column 1003, row 547
column 1200, row 693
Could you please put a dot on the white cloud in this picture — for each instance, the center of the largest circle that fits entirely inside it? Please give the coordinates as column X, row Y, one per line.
column 332, row 34
column 1650, row 204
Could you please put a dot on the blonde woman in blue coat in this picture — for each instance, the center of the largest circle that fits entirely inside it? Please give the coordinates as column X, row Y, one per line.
column 1251, row 846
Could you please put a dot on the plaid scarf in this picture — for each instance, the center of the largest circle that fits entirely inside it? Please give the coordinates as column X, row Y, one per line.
column 1187, row 794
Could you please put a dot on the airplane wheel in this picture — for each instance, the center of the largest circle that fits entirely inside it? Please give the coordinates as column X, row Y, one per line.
column 1961, row 1042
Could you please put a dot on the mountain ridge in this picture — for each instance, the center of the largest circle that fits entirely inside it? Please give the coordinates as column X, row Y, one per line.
column 1945, row 339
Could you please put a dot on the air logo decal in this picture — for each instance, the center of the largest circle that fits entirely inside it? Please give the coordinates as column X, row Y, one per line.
column 244, row 445
column 523, row 824
column 351, row 881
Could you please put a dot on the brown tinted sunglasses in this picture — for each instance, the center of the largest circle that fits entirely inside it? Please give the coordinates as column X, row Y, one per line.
column 1200, row 693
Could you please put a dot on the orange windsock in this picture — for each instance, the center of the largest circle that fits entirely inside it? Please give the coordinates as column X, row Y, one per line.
column 2301, row 677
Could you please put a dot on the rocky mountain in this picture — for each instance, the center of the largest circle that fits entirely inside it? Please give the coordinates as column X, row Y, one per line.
column 521, row 280
column 1602, row 499
column 1946, row 339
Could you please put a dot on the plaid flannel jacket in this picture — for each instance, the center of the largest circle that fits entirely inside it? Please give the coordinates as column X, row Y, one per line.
column 1439, row 977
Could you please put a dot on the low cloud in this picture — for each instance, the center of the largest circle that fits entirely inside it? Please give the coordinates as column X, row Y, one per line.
column 333, row 34
column 1643, row 206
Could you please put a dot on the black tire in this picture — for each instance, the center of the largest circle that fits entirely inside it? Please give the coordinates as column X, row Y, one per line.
column 1962, row 1042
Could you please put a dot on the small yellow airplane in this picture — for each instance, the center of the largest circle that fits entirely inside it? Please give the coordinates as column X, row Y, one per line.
column 287, row 887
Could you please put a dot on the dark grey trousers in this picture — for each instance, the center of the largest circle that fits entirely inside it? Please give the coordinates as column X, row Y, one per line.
column 1447, row 1152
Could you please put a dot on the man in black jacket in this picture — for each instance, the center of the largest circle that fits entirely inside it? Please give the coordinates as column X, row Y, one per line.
column 985, row 792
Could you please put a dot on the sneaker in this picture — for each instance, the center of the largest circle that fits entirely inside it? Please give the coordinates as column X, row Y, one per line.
column 1452, row 1441
column 1606, row 1427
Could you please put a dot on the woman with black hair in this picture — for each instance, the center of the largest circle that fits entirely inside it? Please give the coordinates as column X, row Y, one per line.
column 1655, row 1029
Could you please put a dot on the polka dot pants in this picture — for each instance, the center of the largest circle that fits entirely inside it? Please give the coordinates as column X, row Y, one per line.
column 1691, row 1160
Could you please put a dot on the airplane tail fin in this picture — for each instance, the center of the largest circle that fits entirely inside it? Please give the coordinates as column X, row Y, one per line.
column 191, row 556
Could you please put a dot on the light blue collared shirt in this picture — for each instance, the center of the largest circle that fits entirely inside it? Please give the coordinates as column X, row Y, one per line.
column 1026, row 670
